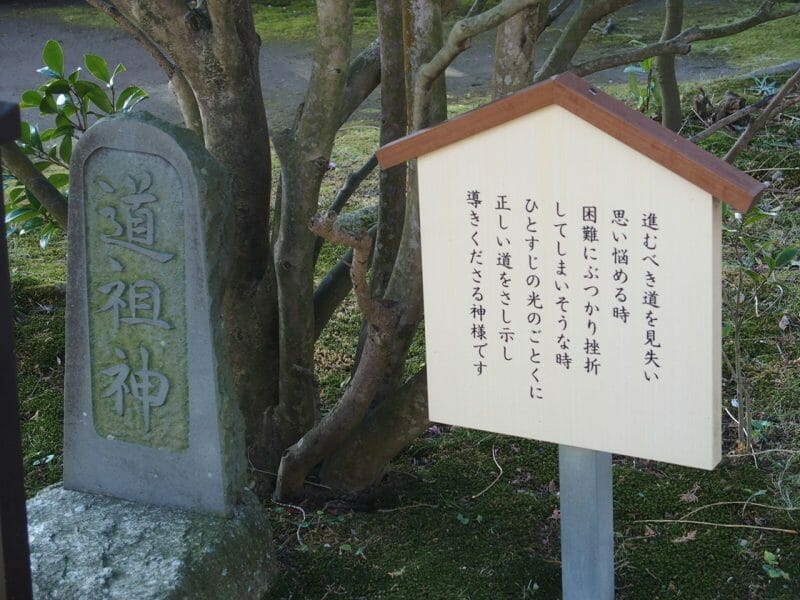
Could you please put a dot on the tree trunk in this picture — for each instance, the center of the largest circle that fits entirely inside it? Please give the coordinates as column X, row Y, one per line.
column 514, row 52
column 671, row 116
column 385, row 432
column 586, row 15
column 305, row 154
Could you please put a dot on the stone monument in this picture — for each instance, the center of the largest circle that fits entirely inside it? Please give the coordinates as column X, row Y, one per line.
column 153, row 503
column 149, row 410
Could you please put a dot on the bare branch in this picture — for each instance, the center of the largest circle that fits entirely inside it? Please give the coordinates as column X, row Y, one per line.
column 333, row 289
column 463, row 31
column 476, row 8
column 587, row 14
column 112, row 11
column 732, row 118
column 327, row 227
column 32, row 178
column 364, row 76
column 557, row 11
column 681, row 44
column 756, row 125
column 348, row 189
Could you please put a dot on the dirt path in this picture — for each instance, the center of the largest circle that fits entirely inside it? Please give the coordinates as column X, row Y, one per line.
column 285, row 66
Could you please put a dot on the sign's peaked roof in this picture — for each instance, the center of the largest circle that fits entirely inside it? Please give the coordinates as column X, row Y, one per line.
column 611, row 116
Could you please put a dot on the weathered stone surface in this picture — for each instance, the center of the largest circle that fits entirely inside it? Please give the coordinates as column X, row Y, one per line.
column 90, row 546
column 150, row 413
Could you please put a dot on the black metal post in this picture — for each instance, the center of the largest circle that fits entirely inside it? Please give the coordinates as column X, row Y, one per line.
column 15, row 573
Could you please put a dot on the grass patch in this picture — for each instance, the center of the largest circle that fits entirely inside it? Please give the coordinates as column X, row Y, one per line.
column 297, row 20
column 78, row 13
column 38, row 295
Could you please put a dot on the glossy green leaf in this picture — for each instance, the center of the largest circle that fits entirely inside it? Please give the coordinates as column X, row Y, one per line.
column 31, row 224
column 48, row 105
column 120, row 68
column 53, row 57
column 62, row 122
column 65, row 150
column 35, row 139
column 129, row 98
column 757, row 277
column 754, row 216
column 31, row 99
column 73, row 77
column 21, row 214
column 786, row 256
column 98, row 67
column 14, row 194
column 56, row 86
column 99, row 98
column 58, row 179
column 25, row 132
column 48, row 134
column 47, row 72
column 83, row 87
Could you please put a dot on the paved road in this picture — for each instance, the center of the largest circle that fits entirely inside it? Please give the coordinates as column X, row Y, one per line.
column 285, row 66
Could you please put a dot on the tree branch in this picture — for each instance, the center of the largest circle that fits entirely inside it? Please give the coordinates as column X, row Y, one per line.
column 177, row 81
column 333, row 289
column 348, row 189
column 756, row 125
column 671, row 116
column 587, row 14
column 732, row 118
column 557, row 11
column 388, row 428
column 326, row 226
column 363, row 77
column 463, row 31
column 32, row 178
column 681, row 44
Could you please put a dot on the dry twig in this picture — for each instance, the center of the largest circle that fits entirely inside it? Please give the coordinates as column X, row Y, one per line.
column 726, row 525
column 496, row 479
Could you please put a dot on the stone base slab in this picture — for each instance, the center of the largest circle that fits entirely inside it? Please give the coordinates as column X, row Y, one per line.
column 90, row 546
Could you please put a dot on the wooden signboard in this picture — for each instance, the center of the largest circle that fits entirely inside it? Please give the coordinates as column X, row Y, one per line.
column 571, row 260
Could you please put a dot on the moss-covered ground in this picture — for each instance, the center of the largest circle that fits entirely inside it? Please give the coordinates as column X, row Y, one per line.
column 465, row 514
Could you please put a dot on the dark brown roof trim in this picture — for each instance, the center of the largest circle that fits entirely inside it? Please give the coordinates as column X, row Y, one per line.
column 631, row 127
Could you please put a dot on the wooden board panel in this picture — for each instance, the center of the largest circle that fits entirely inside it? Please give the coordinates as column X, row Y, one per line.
column 618, row 348
column 617, row 120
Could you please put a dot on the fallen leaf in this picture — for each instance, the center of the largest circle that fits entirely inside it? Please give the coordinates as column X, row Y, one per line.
column 556, row 516
column 785, row 323
column 691, row 495
column 648, row 532
column 397, row 573
column 686, row 538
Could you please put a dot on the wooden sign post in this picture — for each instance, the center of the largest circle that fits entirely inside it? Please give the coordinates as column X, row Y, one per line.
column 571, row 270
column 15, row 582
